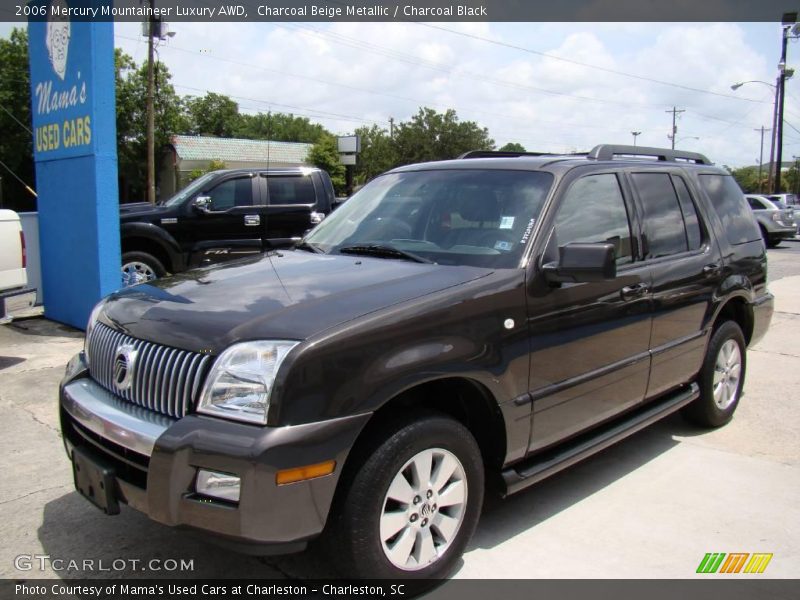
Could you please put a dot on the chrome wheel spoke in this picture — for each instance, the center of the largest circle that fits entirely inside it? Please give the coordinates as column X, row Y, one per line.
column 425, row 551
column 444, row 471
column 392, row 522
column 421, row 467
column 401, row 490
column 445, row 526
column 454, row 494
column 400, row 551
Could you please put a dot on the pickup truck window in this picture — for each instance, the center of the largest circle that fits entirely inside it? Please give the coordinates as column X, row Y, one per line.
column 190, row 190
column 291, row 190
column 230, row 193
column 476, row 217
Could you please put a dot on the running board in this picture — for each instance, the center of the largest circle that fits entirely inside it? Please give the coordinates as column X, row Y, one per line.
column 540, row 467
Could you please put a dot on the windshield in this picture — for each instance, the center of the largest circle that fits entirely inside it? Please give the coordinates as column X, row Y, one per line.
column 191, row 189
column 476, row 217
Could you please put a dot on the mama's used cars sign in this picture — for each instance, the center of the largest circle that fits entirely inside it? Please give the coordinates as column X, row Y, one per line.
column 61, row 85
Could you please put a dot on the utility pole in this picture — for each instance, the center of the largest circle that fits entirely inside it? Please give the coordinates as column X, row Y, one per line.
column 391, row 127
column 787, row 22
column 635, row 134
column 761, row 156
column 675, row 112
column 151, row 127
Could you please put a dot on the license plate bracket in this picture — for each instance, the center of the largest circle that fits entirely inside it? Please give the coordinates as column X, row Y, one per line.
column 95, row 481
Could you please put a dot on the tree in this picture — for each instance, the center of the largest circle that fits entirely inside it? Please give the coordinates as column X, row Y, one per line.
column 431, row 135
column 512, row 147
column 747, row 178
column 378, row 153
column 16, row 141
column 325, row 155
column 131, row 82
column 214, row 165
column 213, row 114
column 279, row 127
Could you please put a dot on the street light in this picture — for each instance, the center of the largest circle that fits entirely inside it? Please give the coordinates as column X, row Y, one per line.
column 776, row 89
column 635, row 134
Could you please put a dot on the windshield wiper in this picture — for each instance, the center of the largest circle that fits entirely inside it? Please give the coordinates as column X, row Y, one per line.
column 302, row 245
column 383, row 250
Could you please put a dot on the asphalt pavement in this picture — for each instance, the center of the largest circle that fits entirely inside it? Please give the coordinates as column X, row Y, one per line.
column 649, row 507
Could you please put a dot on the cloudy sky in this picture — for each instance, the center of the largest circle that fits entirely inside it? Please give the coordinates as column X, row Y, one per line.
column 551, row 87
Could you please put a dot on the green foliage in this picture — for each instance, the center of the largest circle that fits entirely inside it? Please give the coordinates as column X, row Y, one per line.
column 131, row 80
column 213, row 165
column 512, row 147
column 16, row 145
column 378, row 153
column 747, row 178
column 325, row 155
column 279, row 127
column 431, row 135
column 213, row 114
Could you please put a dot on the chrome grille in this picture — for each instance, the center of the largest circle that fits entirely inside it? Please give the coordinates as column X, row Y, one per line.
column 166, row 380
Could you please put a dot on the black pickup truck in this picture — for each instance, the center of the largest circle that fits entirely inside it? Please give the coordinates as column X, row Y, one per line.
column 220, row 216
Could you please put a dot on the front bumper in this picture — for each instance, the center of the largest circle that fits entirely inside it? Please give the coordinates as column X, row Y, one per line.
column 781, row 232
column 155, row 460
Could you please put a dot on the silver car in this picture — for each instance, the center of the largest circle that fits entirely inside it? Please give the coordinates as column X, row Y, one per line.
column 775, row 219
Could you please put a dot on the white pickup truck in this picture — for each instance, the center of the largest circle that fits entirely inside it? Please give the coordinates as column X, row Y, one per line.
column 15, row 295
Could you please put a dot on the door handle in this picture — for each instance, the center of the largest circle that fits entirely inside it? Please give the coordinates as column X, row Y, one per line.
column 629, row 292
column 711, row 269
column 252, row 220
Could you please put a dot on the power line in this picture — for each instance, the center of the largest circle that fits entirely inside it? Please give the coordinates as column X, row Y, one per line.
column 20, row 123
column 587, row 65
column 18, row 178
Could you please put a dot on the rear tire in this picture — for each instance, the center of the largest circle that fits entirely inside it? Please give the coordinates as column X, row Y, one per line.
column 410, row 504
column 140, row 267
column 721, row 378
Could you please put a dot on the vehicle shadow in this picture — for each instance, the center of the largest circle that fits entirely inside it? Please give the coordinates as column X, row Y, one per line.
column 502, row 519
column 39, row 326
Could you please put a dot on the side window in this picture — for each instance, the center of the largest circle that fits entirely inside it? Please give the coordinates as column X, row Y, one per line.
column 291, row 190
column 230, row 193
column 663, row 219
column 754, row 204
column 690, row 219
column 593, row 210
column 728, row 202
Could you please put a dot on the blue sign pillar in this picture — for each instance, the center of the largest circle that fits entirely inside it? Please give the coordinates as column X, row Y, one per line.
column 75, row 151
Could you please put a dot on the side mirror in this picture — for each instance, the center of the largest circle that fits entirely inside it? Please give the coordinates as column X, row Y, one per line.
column 579, row 263
column 203, row 203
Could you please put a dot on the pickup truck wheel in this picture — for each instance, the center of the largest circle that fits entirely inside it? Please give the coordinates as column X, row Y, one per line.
column 721, row 378
column 140, row 267
column 412, row 505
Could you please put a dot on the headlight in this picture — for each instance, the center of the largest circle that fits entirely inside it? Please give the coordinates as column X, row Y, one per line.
column 776, row 216
column 239, row 384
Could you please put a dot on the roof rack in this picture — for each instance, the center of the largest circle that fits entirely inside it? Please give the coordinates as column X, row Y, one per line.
column 500, row 154
column 609, row 151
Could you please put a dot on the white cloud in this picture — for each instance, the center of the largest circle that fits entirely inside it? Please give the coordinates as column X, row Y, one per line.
column 373, row 71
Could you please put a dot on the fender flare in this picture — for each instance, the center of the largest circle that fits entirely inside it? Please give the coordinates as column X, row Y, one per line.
column 156, row 234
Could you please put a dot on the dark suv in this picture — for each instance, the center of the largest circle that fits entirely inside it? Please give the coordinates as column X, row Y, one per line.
column 220, row 216
column 487, row 319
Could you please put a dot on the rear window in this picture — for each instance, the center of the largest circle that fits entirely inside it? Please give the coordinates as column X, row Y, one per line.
column 291, row 190
column 729, row 203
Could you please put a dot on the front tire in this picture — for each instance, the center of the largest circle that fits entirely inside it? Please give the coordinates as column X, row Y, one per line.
column 721, row 378
column 411, row 504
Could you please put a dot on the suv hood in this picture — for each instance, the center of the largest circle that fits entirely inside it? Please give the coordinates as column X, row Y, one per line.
column 288, row 295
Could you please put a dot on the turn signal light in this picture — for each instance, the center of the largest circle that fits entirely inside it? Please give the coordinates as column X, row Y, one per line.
column 304, row 473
